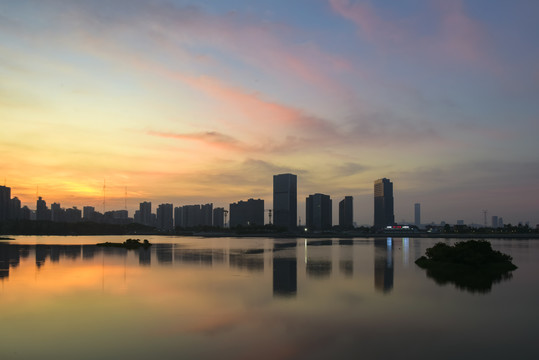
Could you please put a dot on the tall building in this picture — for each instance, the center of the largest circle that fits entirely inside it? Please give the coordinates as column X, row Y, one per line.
column 417, row 214
column 346, row 212
column 219, row 217
column 494, row 221
column 145, row 214
column 206, row 215
column 189, row 216
column 73, row 215
column 5, row 197
column 318, row 208
column 88, row 213
column 500, row 222
column 383, row 203
column 42, row 212
column 15, row 209
column 57, row 213
column 164, row 217
column 285, row 200
column 247, row 213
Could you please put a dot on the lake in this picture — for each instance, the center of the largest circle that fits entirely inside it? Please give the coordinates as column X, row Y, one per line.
column 258, row 298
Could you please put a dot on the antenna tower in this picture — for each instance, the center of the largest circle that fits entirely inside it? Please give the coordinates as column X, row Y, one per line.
column 104, row 187
column 125, row 198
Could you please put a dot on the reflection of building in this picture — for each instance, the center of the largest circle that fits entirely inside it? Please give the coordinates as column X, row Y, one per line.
column 285, row 278
column 164, row 253
column 318, row 209
column 383, row 203
column 247, row 213
column 346, row 212
column 285, row 200
column 145, row 256
column 383, row 265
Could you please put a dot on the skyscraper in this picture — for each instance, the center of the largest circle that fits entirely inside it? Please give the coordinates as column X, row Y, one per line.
column 318, row 208
column 42, row 212
column 417, row 213
column 383, row 203
column 5, row 197
column 285, row 200
column 145, row 209
column 164, row 217
column 346, row 212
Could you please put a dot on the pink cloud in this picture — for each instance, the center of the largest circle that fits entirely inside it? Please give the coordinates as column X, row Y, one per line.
column 456, row 37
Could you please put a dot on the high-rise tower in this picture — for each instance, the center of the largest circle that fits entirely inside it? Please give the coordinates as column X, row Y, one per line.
column 417, row 214
column 318, row 208
column 285, row 200
column 346, row 212
column 383, row 203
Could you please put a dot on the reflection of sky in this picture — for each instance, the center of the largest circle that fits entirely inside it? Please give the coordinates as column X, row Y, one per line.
column 341, row 92
column 101, row 303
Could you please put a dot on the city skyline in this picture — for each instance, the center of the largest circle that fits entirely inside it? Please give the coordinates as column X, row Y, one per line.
column 194, row 102
column 253, row 212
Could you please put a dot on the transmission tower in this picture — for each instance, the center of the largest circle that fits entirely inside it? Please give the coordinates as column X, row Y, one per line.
column 104, row 187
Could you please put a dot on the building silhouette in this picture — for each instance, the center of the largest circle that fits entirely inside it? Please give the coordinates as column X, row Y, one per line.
column 145, row 213
column 219, row 217
column 383, row 203
column 5, row 197
column 88, row 213
column 318, row 210
column 206, row 214
column 417, row 214
column 285, row 200
column 188, row 216
column 42, row 212
column 165, row 217
column 14, row 209
column 247, row 213
column 346, row 212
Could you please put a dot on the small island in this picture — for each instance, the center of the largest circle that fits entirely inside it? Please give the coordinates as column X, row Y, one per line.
column 471, row 265
column 6, row 238
column 128, row 244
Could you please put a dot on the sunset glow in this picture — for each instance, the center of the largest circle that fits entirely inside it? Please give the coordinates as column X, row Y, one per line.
column 192, row 102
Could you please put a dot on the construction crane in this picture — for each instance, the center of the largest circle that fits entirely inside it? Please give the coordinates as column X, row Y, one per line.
column 269, row 214
column 226, row 213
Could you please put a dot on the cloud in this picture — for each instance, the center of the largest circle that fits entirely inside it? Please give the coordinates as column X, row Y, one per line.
column 454, row 37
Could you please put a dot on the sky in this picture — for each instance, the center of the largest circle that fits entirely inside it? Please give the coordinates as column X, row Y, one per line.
column 189, row 102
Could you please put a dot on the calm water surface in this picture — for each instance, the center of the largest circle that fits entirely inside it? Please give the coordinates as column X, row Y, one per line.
column 197, row 298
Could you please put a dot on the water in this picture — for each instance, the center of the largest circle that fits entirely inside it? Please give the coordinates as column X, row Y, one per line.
column 256, row 298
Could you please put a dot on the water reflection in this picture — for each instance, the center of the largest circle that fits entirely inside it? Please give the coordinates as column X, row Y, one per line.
column 285, row 262
column 383, row 265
